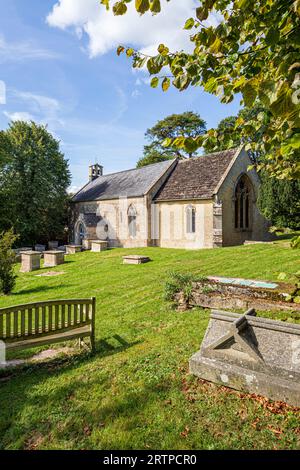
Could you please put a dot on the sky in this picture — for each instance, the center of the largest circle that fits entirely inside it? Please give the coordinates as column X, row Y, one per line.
column 58, row 66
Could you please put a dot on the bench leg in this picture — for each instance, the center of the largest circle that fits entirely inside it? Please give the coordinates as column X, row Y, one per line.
column 93, row 348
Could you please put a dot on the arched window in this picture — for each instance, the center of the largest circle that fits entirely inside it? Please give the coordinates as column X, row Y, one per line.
column 243, row 204
column 132, row 221
column 79, row 233
column 190, row 219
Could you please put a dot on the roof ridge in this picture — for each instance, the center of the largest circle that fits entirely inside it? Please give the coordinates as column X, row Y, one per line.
column 136, row 169
column 209, row 154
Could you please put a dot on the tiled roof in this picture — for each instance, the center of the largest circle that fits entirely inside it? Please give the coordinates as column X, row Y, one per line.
column 130, row 183
column 196, row 178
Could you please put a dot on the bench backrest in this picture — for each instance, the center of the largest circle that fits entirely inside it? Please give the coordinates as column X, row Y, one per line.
column 44, row 318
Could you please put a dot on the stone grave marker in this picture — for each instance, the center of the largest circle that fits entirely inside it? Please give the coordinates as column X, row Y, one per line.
column 52, row 245
column 251, row 354
column 73, row 249
column 53, row 258
column 31, row 261
column 99, row 245
column 135, row 259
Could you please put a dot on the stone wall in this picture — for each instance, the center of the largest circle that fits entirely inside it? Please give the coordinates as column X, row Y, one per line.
column 172, row 225
column 112, row 221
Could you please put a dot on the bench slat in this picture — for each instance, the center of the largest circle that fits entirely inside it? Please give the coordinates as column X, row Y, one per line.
column 69, row 322
column 56, row 317
column 44, row 324
column 36, row 321
column 23, row 322
column 29, row 330
column 63, row 316
column 75, row 314
column 16, row 324
column 8, row 322
column 50, row 318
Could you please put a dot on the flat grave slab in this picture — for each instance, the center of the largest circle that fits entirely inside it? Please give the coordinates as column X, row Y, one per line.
column 244, row 282
column 135, row 259
column 251, row 354
column 51, row 274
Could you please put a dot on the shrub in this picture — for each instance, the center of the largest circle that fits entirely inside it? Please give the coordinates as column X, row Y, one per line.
column 7, row 260
column 180, row 282
column 295, row 242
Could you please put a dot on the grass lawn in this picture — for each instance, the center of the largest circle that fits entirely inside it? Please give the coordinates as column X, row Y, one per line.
column 136, row 393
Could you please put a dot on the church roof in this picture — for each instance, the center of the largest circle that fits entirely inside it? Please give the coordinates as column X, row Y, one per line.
column 197, row 178
column 130, row 183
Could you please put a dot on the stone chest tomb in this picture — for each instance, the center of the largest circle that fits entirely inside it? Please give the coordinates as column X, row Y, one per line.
column 251, row 354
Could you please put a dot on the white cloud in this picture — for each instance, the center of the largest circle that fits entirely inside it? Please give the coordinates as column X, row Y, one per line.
column 106, row 32
column 19, row 116
column 2, row 92
column 136, row 93
column 39, row 108
column 23, row 51
column 39, row 103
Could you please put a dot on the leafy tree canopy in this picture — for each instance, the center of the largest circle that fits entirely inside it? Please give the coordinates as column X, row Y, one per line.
column 188, row 125
column 254, row 50
column 279, row 201
column 230, row 132
column 33, row 184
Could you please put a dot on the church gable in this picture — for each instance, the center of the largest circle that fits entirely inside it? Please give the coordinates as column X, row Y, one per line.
column 197, row 178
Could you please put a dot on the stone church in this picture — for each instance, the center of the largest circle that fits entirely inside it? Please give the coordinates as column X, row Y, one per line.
column 202, row 202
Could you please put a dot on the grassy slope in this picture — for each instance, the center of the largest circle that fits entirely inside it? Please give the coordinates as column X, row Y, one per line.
column 136, row 391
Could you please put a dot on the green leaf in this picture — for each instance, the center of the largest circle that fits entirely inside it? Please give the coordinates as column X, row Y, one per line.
column 105, row 3
column 154, row 82
column 155, row 6
column 162, row 49
column 202, row 13
column 129, row 52
column 167, row 142
column 272, row 37
column 142, row 6
column 249, row 92
column 189, row 23
column 119, row 8
column 191, row 145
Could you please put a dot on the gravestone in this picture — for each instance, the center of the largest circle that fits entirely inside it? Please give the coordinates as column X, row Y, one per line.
column 87, row 243
column 40, row 248
column 31, row 261
column 99, row 245
column 53, row 258
column 251, row 354
column 73, row 249
column 135, row 259
column 53, row 245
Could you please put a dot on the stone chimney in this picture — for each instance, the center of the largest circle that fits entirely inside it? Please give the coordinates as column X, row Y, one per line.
column 95, row 171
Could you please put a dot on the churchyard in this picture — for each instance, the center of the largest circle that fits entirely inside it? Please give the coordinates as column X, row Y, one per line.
column 136, row 390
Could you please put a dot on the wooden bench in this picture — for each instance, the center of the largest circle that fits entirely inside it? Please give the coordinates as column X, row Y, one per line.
column 37, row 324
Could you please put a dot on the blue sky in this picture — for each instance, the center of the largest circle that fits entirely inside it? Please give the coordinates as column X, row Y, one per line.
column 59, row 66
